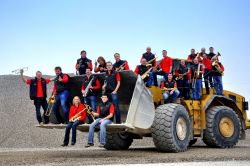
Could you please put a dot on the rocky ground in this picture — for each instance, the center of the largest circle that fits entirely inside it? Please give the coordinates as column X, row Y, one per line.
column 21, row 143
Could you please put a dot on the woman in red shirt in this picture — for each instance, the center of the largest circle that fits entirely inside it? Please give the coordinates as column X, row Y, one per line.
column 74, row 109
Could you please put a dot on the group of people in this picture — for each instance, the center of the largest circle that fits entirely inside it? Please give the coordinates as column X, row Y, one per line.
column 177, row 83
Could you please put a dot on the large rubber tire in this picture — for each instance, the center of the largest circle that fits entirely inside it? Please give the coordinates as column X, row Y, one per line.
column 164, row 129
column 118, row 141
column 213, row 136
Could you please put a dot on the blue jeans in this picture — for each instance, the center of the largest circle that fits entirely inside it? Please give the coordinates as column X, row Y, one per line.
column 167, row 95
column 218, row 85
column 102, row 131
column 72, row 125
column 162, row 73
column 149, row 81
column 41, row 102
column 115, row 100
column 197, row 89
column 61, row 100
column 91, row 100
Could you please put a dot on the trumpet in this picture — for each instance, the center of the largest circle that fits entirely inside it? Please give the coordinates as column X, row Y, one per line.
column 51, row 102
column 18, row 71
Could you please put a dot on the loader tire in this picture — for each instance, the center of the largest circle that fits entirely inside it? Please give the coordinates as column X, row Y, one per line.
column 222, row 127
column 171, row 128
column 118, row 141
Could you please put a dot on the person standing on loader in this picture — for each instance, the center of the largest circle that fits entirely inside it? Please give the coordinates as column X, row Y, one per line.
column 196, row 75
column 111, row 87
column 119, row 64
column 83, row 63
column 61, row 91
column 150, row 57
column 165, row 67
column 90, row 95
column 218, row 71
column 182, row 78
column 38, row 93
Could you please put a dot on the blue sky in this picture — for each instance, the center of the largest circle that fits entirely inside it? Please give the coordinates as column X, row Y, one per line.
column 43, row 34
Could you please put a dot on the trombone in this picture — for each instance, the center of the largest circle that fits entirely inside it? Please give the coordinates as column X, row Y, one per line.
column 18, row 71
column 51, row 102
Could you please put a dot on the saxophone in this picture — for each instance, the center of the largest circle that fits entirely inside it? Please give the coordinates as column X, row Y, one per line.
column 146, row 74
column 78, row 115
column 121, row 68
column 86, row 91
column 149, row 62
column 217, row 66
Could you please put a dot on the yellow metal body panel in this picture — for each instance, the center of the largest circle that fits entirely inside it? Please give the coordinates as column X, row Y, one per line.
column 196, row 108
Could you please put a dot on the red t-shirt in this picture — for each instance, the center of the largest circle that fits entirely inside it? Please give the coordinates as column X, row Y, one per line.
column 74, row 110
column 111, row 109
column 207, row 63
column 165, row 64
column 39, row 92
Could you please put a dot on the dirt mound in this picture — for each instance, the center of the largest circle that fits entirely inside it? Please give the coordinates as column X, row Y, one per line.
column 18, row 120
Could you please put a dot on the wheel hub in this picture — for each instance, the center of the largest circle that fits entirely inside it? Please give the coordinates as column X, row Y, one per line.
column 181, row 128
column 226, row 127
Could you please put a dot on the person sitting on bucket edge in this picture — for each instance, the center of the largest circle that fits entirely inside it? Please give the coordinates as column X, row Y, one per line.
column 105, row 114
column 76, row 108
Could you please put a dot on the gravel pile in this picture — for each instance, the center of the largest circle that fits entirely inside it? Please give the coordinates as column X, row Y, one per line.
column 18, row 120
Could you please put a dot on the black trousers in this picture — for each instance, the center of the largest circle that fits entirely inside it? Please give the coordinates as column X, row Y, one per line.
column 208, row 78
column 73, row 126
column 183, row 87
column 41, row 102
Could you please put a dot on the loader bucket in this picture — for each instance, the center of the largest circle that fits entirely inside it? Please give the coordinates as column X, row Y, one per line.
column 135, row 100
column 141, row 110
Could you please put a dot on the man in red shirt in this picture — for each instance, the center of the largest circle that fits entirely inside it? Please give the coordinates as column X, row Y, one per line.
column 165, row 66
column 208, row 72
column 76, row 108
column 119, row 64
column 38, row 93
column 111, row 87
column 61, row 91
column 105, row 114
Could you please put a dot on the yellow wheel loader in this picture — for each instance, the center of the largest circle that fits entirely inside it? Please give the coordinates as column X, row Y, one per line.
column 219, row 120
